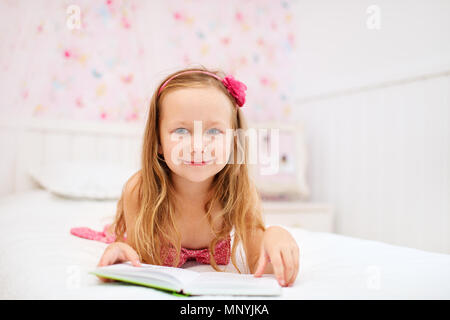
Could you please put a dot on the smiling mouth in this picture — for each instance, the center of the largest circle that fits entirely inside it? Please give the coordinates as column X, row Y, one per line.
column 192, row 163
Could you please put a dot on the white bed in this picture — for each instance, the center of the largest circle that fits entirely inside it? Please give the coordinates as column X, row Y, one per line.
column 40, row 259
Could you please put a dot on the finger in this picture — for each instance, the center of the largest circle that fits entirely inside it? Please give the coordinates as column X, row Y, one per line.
column 136, row 263
column 295, row 254
column 103, row 262
column 105, row 279
column 107, row 258
column 262, row 262
column 132, row 256
column 277, row 263
column 288, row 263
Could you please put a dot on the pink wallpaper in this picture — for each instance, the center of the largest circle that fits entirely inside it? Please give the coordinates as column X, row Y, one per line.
column 107, row 69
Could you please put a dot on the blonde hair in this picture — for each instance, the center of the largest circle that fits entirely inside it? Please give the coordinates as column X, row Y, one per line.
column 232, row 187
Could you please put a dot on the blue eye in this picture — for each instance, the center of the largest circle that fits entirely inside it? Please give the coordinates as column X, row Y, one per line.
column 214, row 131
column 181, row 131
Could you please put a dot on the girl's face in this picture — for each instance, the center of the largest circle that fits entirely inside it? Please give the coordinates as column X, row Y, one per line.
column 193, row 131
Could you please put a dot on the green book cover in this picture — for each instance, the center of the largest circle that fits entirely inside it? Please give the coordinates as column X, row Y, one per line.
column 139, row 283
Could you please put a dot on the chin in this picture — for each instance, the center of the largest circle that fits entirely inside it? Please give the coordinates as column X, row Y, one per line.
column 194, row 174
column 197, row 178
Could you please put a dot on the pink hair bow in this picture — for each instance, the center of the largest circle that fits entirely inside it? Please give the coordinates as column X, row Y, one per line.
column 236, row 88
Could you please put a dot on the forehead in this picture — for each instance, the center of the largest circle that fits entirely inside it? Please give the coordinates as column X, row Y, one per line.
column 207, row 104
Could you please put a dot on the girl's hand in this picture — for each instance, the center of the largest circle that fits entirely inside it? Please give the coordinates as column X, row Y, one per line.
column 279, row 248
column 118, row 252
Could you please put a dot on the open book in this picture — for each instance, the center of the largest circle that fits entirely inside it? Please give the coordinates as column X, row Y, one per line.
column 189, row 282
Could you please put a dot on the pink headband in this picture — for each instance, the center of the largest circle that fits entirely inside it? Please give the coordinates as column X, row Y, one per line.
column 235, row 87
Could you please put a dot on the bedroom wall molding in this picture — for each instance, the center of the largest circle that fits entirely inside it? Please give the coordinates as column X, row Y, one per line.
column 73, row 126
column 372, row 86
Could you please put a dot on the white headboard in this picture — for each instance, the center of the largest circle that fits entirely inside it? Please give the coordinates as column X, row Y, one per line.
column 41, row 141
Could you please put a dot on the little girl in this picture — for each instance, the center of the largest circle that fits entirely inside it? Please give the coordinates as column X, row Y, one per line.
column 187, row 197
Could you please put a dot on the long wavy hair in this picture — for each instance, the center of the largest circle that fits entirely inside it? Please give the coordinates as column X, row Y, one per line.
column 232, row 187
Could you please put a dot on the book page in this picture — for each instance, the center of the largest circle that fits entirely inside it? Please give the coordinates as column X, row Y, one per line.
column 192, row 282
column 169, row 274
column 233, row 283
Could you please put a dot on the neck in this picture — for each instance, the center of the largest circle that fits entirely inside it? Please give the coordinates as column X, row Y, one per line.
column 191, row 193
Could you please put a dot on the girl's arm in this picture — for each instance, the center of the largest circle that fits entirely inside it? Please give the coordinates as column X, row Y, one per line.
column 273, row 251
column 131, row 207
column 254, row 252
column 121, row 251
column 279, row 250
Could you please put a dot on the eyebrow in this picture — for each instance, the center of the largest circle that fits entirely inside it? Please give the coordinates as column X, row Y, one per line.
column 208, row 123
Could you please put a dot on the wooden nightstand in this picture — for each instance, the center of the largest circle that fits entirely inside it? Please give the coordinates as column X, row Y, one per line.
column 307, row 215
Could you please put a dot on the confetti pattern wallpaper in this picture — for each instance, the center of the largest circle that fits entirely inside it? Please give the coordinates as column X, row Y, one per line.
column 101, row 60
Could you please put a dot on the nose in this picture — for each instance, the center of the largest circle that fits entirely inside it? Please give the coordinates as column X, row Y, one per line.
column 202, row 150
column 197, row 150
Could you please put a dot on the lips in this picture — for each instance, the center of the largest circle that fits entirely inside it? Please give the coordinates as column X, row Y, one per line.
column 192, row 163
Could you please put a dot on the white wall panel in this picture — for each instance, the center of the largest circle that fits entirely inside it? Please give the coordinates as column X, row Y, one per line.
column 381, row 157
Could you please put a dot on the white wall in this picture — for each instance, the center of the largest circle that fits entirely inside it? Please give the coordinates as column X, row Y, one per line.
column 382, row 158
column 337, row 51
column 376, row 110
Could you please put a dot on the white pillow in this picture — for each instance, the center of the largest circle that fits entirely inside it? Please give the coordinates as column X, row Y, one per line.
column 83, row 180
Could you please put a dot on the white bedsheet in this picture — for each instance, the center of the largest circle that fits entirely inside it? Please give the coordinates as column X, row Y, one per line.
column 40, row 259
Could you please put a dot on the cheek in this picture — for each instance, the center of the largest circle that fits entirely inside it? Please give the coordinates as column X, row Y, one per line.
column 166, row 145
column 176, row 148
column 220, row 149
